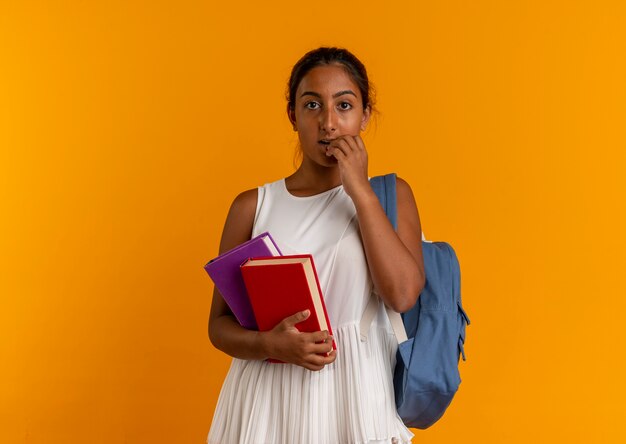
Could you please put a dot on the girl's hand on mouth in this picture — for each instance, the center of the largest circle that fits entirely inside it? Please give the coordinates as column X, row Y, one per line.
column 351, row 158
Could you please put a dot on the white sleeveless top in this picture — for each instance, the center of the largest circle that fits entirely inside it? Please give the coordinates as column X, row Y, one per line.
column 348, row 401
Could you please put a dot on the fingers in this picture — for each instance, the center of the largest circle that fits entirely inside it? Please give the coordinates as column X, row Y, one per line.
column 336, row 152
column 322, row 342
column 320, row 336
column 322, row 348
column 347, row 146
column 317, row 362
column 296, row 318
column 359, row 142
column 342, row 146
column 316, row 343
column 321, row 353
column 353, row 143
column 322, row 361
column 312, row 351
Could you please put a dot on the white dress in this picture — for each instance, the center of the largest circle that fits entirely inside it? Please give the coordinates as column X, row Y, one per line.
column 348, row 401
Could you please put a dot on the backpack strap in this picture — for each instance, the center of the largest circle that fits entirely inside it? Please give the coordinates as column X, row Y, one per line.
column 385, row 189
column 395, row 319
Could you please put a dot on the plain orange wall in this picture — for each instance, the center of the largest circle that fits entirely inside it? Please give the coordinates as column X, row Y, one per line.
column 127, row 127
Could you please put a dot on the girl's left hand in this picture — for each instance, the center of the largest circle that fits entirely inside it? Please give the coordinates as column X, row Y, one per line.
column 351, row 157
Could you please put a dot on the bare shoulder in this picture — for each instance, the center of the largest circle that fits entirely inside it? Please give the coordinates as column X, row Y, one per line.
column 245, row 202
column 404, row 191
column 409, row 225
column 240, row 220
column 408, row 214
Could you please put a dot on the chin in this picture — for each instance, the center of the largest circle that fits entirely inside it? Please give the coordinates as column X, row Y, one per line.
column 327, row 162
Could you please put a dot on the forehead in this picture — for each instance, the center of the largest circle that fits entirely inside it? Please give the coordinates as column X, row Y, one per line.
column 327, row 79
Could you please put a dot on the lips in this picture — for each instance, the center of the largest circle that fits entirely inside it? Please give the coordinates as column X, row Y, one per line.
column 326, row 141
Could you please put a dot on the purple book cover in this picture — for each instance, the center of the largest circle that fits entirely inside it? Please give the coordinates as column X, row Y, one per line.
column 225, row 272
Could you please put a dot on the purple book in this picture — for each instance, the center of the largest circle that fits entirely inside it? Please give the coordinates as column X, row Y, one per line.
column 225, row 272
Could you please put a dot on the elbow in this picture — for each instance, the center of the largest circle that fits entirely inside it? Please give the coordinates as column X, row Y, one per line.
column 213, row 336
column 421, row 283
column 402, row 307
column 406, row 298
column 404, row 304
column 406, row 295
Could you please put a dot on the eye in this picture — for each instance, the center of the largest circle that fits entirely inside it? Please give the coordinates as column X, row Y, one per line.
column 345, row 106
column 311, row 105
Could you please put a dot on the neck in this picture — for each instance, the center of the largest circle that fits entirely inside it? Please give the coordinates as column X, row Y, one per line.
column 313, row 179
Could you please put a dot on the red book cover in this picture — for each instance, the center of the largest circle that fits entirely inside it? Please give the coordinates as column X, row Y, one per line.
column 279, row 287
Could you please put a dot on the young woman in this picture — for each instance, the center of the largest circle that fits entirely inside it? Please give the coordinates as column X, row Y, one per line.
column 328, row 209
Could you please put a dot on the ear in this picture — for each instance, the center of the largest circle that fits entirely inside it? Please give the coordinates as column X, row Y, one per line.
column 292, row 116
column 367, row 113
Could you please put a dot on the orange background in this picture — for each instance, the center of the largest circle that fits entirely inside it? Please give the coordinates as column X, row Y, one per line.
column 127, row 128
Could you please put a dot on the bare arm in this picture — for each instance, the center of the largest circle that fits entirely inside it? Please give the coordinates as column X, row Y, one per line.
column 284, row 342
column 394, row 259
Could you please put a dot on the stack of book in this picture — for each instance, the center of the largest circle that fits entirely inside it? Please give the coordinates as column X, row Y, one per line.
column 262, row 287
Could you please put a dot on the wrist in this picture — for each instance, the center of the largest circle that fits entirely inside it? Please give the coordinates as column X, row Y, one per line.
column 365, row 196
column 263, row 344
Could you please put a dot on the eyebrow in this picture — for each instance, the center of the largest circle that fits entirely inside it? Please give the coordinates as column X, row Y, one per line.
column 340, row 93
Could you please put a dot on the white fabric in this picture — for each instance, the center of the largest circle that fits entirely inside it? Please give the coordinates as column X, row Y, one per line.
column 394, row 318
column 350, row 400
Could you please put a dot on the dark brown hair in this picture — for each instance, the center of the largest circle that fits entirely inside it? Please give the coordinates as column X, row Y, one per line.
column 327, row 56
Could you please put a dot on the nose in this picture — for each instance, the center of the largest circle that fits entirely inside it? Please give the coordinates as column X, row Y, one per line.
column 328, row 120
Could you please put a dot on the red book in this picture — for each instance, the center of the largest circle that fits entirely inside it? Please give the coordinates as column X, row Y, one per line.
column 279, row 287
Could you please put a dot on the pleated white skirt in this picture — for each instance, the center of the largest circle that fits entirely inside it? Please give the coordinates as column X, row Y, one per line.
column 349, row 401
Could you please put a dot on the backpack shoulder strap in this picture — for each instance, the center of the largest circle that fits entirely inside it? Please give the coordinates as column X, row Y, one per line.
column 385, row 189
